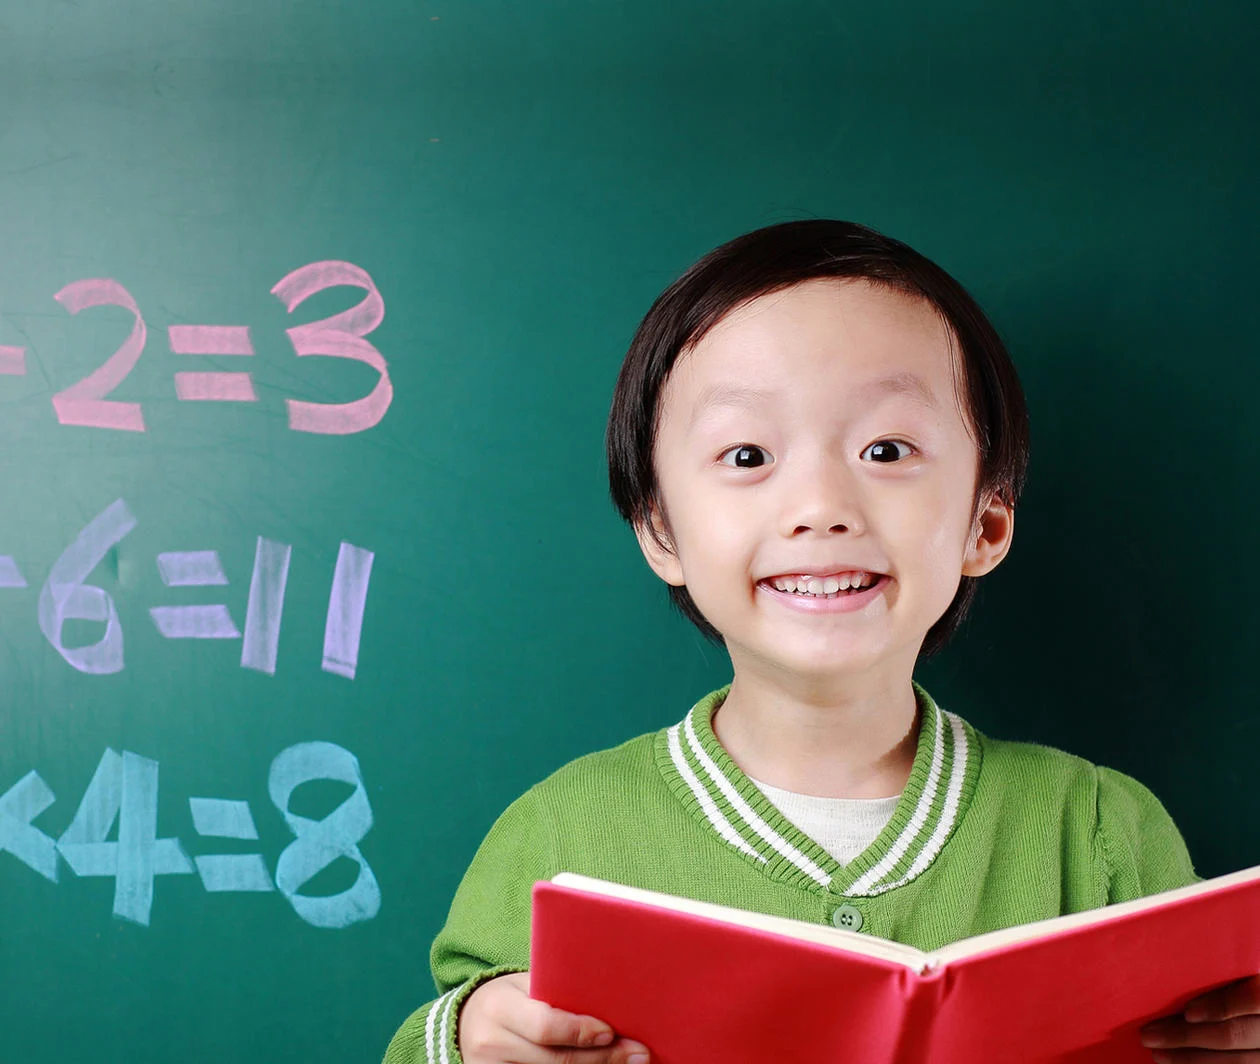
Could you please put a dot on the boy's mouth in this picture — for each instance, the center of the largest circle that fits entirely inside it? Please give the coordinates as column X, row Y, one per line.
column 833, row 585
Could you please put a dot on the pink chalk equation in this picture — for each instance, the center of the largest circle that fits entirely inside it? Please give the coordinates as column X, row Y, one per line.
column 86, row 403
column 340, row 336
column 212, row 340
column 221, row 387
column 12, row 361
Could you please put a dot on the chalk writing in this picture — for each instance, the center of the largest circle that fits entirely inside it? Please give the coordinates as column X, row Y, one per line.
column 222, row 818
column 10, row 574
column 320, row 842
column 345, row 610
column 19, row 805
column 122, row 796
column 341, row 335
column 212, row 340
column 266, row 605
column 123, row 788
column 84, row 403
column 12, row 360
column 193, row 568
column 66, row 596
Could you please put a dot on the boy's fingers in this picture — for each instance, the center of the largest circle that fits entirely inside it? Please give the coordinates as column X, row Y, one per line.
column 1241, row 1032
column 1236, row 999
column 568, row 1029
column 532, row 1032
column 521, row 1051
column 539, row 1023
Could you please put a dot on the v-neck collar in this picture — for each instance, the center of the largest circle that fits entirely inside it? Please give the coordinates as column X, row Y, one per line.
column 715, row 790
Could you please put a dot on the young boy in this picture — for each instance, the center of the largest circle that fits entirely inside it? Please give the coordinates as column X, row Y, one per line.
column 819, row 441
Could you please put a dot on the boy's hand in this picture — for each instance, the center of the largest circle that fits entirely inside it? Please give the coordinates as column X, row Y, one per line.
column 1217, row 1027
column 501, row 1023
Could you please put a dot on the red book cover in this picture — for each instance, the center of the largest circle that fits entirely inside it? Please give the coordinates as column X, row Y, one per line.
column 700, row 984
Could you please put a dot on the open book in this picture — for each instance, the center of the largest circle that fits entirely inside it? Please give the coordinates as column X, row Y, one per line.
column 699, row 983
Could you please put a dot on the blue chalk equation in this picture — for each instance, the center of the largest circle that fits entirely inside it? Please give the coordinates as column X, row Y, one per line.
column 122, row 798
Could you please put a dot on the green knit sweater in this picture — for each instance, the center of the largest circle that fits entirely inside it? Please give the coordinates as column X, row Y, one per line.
column 987, row 834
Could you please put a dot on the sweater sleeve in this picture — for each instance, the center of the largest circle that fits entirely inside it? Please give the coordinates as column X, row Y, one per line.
column 1141, row 849
column 486, row 932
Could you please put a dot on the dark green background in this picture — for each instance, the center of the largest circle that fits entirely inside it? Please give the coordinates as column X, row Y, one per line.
column 521, row 180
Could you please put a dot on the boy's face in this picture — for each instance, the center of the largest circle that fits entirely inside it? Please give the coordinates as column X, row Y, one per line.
column 814, row 438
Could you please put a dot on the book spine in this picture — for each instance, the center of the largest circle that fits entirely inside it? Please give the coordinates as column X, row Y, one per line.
column 923, row 994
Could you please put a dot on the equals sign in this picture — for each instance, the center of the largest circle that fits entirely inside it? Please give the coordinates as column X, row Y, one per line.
column 213, row 340
column 12, row 360
column 222, row 818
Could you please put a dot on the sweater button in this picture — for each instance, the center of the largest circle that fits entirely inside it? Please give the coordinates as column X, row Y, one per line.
column 847, row 918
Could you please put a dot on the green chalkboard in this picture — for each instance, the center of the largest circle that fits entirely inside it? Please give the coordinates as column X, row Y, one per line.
column 309, row 318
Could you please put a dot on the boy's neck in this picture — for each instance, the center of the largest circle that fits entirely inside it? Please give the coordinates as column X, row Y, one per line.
column 856, row 741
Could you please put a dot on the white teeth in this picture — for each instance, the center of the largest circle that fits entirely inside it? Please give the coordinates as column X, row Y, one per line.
column 823, row 586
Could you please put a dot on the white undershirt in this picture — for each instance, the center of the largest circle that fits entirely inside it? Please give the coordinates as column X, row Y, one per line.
column 844, row 827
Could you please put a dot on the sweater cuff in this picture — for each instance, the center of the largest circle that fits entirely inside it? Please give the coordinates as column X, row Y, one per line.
column 429, row 1035
column 461, row 993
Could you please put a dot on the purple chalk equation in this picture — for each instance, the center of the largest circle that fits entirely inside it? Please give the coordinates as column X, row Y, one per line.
column 67, row 595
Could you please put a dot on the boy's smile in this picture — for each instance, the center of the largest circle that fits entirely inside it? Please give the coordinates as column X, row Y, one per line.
column 835, row 592
column 818, row 476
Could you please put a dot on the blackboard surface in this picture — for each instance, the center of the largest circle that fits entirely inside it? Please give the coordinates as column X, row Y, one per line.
column 309, row 317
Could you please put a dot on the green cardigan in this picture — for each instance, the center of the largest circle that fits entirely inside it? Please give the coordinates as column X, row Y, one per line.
column 987, row 834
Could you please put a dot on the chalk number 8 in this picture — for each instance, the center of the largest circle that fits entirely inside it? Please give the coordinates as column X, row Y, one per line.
column 320, row 842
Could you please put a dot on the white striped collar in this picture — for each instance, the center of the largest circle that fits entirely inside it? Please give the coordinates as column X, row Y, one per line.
column 711, row 785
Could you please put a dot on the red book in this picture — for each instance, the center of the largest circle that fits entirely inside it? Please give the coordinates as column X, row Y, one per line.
column 706, row 984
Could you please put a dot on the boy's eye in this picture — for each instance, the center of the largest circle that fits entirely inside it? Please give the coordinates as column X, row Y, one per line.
column 746, row 456
column 886, row 451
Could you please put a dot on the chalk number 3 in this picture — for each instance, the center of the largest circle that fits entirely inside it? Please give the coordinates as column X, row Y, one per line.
column 339, row 336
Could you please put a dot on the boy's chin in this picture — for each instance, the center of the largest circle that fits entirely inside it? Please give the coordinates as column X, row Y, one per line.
column 828, row 664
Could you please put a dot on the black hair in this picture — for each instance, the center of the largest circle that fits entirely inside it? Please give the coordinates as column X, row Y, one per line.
column 774, row 258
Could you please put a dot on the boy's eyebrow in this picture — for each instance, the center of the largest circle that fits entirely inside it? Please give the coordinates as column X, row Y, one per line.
column 908, row 384
column 728, row 395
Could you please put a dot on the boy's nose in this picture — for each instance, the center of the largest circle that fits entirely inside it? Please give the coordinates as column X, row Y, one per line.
column 822, row 499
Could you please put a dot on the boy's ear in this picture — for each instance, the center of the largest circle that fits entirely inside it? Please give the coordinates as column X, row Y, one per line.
column 990, row 537
column 657, row 547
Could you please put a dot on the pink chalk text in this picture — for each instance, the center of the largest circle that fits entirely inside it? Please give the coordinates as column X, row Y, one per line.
column 86, row 403
column 340, row 336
